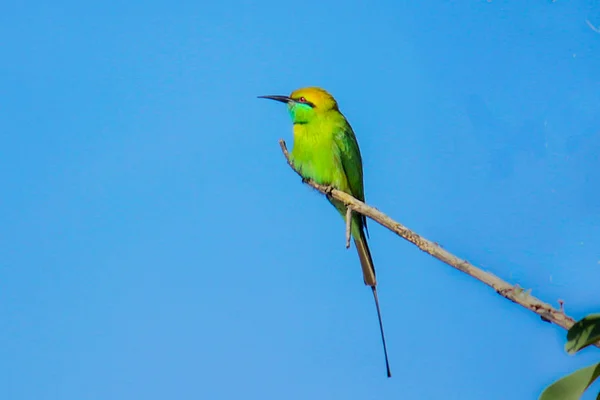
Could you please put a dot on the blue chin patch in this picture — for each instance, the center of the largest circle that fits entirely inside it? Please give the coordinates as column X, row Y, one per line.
column 298, row 112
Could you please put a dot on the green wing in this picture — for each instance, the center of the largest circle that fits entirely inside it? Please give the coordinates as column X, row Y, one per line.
column 351, row 162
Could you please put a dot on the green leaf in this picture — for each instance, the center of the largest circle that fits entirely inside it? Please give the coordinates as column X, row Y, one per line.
column 572, row 386
column 583, row 333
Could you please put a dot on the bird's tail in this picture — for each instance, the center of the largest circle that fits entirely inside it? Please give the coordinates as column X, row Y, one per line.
column 366, row 262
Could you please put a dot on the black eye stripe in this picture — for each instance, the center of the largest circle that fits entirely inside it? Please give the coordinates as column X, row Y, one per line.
column 303, row 100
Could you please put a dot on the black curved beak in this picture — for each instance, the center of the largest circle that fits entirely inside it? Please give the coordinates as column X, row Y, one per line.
column 283, row 99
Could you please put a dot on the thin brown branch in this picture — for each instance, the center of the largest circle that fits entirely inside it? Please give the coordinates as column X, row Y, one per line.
column 506, row 290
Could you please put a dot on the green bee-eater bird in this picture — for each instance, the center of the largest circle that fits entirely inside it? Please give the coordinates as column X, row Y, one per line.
column 326, row 151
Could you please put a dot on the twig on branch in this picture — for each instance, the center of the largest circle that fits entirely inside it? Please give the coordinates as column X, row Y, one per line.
column 506, row 290
column 595, row 29
column 348, row 225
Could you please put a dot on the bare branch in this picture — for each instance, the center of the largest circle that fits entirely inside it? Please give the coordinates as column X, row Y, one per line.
column 595, row 29
column 504, row 289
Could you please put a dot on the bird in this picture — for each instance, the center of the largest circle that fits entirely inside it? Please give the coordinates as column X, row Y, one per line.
column 326, row 151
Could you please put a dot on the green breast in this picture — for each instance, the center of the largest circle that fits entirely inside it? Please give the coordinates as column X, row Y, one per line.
column 316, row 155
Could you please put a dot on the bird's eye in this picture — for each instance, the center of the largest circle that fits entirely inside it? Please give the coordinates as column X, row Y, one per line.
column 302, row 99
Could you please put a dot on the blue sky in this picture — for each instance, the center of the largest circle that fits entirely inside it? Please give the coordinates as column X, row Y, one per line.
column 156, row 245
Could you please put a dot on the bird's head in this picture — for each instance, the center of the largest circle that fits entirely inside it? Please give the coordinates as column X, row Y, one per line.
column 307, row 103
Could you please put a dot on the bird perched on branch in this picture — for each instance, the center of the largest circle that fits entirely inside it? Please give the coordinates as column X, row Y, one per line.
column 326, row 152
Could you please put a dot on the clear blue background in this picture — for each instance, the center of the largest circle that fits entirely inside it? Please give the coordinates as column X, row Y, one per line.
column 155, row 245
